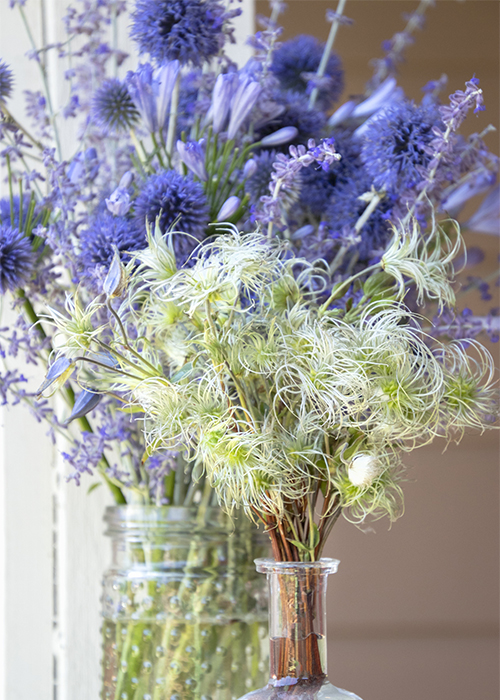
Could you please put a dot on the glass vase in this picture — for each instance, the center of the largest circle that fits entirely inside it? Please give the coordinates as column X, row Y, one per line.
column 185, row 613
column 297, row 632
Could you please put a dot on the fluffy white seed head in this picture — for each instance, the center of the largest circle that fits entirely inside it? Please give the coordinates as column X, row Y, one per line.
column 363, row 470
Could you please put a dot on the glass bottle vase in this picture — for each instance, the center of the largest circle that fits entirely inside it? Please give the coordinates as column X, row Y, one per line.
column 297, row 632
column 184, row 611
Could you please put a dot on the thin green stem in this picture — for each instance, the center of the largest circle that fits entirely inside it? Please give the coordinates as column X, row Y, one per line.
column 43, row 72
column 326, row 52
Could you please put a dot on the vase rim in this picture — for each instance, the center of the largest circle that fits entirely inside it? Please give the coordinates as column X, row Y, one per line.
column 271, row 566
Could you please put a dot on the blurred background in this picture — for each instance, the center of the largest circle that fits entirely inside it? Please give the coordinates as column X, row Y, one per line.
column 413, row 610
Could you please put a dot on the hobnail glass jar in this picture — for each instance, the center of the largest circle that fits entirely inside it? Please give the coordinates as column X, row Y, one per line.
column 185, row 613
column 297, row 632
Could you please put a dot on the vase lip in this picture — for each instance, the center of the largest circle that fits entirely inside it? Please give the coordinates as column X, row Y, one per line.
column 270, row 566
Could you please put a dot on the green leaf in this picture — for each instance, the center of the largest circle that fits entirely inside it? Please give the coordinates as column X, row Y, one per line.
column 180, row 374
column 94, row 486
column 315, row 536
column 301, row 546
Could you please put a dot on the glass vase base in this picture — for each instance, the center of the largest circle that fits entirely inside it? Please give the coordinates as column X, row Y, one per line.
column 303, row 689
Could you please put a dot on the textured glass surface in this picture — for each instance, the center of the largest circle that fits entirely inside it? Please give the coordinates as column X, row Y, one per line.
column 185, row 613
column 297, row 632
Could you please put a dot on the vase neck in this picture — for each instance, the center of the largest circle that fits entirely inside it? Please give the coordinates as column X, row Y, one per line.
column 297, row 620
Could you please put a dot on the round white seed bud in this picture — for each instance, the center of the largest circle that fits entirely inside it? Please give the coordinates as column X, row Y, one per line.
column 363, row 470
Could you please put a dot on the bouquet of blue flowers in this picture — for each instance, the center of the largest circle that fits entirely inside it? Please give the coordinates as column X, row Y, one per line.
column 224, row 274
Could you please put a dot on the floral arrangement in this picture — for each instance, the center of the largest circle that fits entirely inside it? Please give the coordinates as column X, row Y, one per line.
column 225, row 276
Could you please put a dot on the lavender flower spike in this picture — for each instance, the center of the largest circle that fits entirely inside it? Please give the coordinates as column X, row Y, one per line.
column 119, row 201
column 242, row 104
column 280, row 137
column 221, row 100
column 193, row 157
column 229, row 208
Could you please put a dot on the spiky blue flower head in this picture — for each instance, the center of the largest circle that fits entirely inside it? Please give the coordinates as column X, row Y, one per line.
column 6, row 81
column 102, row 235
column 5, row 211
column 112, row 106
column 395, row 143
column 295, row 112
column 16, row 258
column 300, row 55
column 344, row 210
column 180, row 204
column 190, row 31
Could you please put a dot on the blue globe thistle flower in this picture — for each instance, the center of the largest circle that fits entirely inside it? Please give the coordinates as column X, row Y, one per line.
column 16, row 259
column 319, row 186
column 344, row 210
column 300, row 55
column 180, row 203
column 5, row 211
column 98, row 241
column 112, row 106
column 394, row 144
column 295, row 112
column 6, row 81
column 183, row 30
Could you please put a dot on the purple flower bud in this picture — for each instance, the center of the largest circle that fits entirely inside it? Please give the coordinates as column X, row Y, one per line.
column 115, row 281
column 57, row 375
column 243, row 102
column 126, row 180
column 250, row 168
column 221, row 100
column 278, row 138
column 193, row 156
column 385, row 94
column 229, row 208
column 342, row 113
column 166, row 76
column 302, row 232
column 83, row 164
column 85, row 403
column 119, row 202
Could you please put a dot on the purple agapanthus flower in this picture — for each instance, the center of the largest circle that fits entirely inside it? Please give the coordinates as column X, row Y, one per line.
column 151, row 92
column 16, row 259
column 112, row 106
column 190, row 31
column 192, row 155
column 302, row 55
column 178, row 203
column 395, row 145
column 6, row 81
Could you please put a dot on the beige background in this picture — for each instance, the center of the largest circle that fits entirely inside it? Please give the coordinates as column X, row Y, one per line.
column 413, row 611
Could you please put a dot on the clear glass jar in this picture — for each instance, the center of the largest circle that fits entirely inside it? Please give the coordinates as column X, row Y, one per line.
column 185, row 613
column 297, row 632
